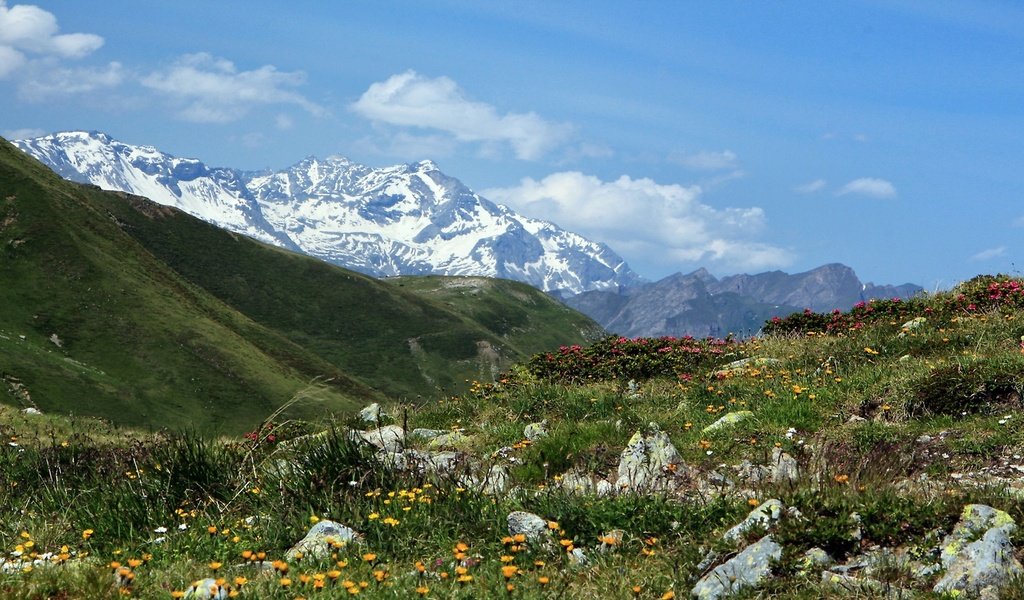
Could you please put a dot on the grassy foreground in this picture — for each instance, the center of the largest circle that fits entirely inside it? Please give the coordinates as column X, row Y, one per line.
column 897, row 412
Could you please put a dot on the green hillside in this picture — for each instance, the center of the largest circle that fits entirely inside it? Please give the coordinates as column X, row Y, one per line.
column 162, row 319
column 522, row 316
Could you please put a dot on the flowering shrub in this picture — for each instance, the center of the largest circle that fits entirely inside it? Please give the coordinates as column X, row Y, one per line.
column 980, row 294
column 629, row 358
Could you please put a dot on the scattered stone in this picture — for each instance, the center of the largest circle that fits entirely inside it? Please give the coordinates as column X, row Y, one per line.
column 977, row 555
column 856, row 419
column 747, row 569
column 533, row 527
column 207, row 589
column 433, row 462
column 452, row 439
column 426, row 434
column 611, row 539
column 493, row 483
column 321, row 541
column 370, row 414
column 389, row 437
column 536, row 431
column 728, row 420
column 56, row 341
column 783, row 467
column 649, row 463
column 578, row 558
column 924, row 439
column 738, row 367
column 911, row 325
column 577, row 483
column 764, row 516
column 32, row 411
column 815, row 558
column 863, row 587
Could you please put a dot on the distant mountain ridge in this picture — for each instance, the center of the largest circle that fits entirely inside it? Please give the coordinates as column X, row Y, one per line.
column 402, row 220
column 700, row 304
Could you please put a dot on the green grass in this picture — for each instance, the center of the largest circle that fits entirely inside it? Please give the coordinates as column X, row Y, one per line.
column 165, row 321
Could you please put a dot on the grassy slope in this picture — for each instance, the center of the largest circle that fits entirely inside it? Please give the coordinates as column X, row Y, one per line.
column 953, row 378
column 523, row 317
column 140, row 345
column 403, row 343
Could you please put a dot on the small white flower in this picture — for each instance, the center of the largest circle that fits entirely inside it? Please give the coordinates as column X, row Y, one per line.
column 183, row 527
column 353, row 483
column 710, row 452
column 1002, row 421
column 160, row 540
column 160, row 529
column 12, row 444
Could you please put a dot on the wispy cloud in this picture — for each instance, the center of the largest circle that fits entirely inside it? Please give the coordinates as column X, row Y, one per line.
column 811, row 186
column 869, row 186
column 412, row 100
column 207, row 89
column 990, row 253
column 706, row 160
column 22, row 134
column 659, row 223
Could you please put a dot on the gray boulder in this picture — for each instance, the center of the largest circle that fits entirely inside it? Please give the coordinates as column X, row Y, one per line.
column 747, row 569
column 370, row 414
column 764, row 516
column 389, row 437
column 728, row 420
column 532, row 526
column 321, row 540
column 649, row 463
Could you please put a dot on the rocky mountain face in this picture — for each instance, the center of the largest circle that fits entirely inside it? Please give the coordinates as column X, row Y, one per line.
column 402, row 220
column 700, row 304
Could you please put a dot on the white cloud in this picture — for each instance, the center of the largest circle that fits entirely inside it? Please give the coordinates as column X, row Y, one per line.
column 10, row 61
column 408, row 146
column 706, row 160
column 647, row 221
column 869, row 186
column 811, row 186
column 411, row 100
column 284, row 122
column 49, row 79
column 31, row 29
column 212, row 90
column 990, row 253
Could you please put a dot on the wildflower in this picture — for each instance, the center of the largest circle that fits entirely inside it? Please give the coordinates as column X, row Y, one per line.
column 422, row 590
column 285, row 582
column 211, row 530
column 509, row 571
column 369, row 557
column 543, row 580
column 87, row 534
column 215, row 565
column 753, row 502
column 842, row 478
column 552, row 525
column 669, row 595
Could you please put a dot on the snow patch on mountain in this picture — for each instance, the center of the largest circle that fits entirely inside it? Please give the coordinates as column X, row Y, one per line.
column 401, row 220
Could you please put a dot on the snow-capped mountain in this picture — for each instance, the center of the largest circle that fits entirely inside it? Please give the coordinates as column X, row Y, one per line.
column 401, row 220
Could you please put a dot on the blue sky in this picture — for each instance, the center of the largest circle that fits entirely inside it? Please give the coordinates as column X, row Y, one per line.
column 736, row 136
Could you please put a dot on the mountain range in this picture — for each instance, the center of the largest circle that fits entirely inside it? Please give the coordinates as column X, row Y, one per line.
column 118, row 307
column 700, row 304
column 407, row 219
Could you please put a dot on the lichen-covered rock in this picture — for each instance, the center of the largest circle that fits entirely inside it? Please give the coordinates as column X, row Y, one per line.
column 764, row 516
column 728, row 420
column 815, row 558
column 532, row 526
column 649, row 463
column 978, row 555
column 747, row 569
column 321, row 540
column 453, row 439
column 426, row 434
column 536, row 431
column 494, row 482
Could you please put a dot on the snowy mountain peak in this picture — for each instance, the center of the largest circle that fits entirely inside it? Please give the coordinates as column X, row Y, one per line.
column 402, row 220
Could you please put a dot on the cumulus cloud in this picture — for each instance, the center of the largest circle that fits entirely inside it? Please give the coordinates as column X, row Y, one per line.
column 990, row 253
column 207, row 89
column 412, row 100
column 811, row 186
column 706, row 160
column 869, row 186
column 31, row 49
column 646, row 221
column 28, row 28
